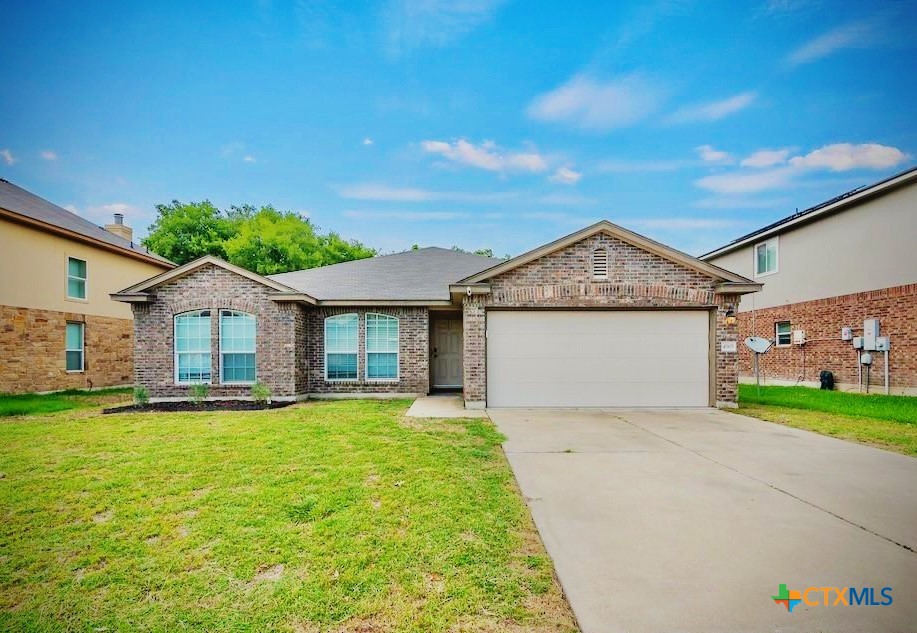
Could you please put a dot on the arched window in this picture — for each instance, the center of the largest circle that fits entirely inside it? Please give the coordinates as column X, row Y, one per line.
column 341, row 346
column 381, row 347
column 237, row 347
column 600, row 263
column 192, row 347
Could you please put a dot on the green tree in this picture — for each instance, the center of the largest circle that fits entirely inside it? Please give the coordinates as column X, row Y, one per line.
column 483, row 252
column 265, row 240
column 184, row 231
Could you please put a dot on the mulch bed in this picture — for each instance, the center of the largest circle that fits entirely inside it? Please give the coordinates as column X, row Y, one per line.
column 210, row 405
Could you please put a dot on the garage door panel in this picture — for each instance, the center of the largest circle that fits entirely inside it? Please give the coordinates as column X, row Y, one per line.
column 639, row 368
column 559, row 344
column 598, row 359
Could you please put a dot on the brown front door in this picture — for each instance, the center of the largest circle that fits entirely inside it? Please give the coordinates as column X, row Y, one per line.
column 446, row 353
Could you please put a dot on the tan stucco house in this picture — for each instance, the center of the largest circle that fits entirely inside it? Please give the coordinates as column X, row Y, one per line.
column 601, row 317
column 59, row 328
column 826, row 270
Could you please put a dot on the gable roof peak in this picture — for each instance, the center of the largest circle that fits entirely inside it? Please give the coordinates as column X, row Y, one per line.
column 197, row 264
column 619, row 232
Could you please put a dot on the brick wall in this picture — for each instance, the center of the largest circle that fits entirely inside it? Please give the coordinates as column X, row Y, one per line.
column 281, row 361
column 414, row 364
column 822, row 320
column 32, row 351
column 636, row 278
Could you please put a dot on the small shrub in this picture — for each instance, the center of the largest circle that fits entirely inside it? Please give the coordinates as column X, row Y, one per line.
column 261, row 393
column 199, row 392
column 141, row 395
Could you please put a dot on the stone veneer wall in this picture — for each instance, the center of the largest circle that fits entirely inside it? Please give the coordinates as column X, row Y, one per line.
column 281, row 362
column 414, row 356
column 32, row 351
column 563, row 279
column 822, row 320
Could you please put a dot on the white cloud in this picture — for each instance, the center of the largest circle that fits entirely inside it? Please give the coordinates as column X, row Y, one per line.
column 367, row 141
column 411, row 24
column 249, row 159
column 746, row 182
column 766, row 158
column 709, row 154
column 773, row 174
column 49, row 154
column 566, row 176
column 486, row 156
column 598, row 105
column 846, row 156
column 371, row 191
column 8, row 157
column 854, row 35
column 411, row 216
column 714, row 110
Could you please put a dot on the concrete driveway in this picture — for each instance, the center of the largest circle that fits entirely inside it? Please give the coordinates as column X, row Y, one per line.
column 689, row 520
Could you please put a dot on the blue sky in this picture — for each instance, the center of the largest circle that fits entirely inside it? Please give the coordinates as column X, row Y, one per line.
column 477, row 123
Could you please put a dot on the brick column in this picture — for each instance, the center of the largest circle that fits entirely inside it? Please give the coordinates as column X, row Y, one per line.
column 474, row 344
column 727, row 363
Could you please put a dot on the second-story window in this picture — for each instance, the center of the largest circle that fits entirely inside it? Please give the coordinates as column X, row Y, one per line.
column 76, row 278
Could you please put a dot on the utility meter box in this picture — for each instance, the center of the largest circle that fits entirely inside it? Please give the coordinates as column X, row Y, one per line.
column 882, row 343
column 846, row 333
column 857, row 342
column 870, row 334
column 866, row 359
column 799, row 337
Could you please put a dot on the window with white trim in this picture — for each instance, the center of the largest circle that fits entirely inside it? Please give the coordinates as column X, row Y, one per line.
column 237, row 347
column 342, row 346
column 76, row 278
column 192, row 347
column 766, row 258
column 75, row 346
column 381, row 347
column 600, row 263
column 783, row 335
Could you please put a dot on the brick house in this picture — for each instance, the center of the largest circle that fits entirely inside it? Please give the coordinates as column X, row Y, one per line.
column 827, row 268
column 601, row 317
column 59, row 328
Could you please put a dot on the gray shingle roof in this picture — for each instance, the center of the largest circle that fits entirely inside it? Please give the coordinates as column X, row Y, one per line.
column 27, row 204
column 424, row 274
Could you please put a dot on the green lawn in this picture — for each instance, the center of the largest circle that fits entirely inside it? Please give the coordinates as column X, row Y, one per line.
column 328, row 516
column 884, row 421
column 34, row 404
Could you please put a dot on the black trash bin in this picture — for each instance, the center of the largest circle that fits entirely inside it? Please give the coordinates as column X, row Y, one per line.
column 827, row 379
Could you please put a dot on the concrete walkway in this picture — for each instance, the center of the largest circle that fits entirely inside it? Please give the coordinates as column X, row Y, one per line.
column 690, row 520
column 443, row 406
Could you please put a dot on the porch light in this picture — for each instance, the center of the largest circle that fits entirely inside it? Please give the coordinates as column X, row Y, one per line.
column 731, row 317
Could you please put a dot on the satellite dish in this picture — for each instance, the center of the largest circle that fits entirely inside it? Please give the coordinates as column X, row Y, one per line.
column 758, row 344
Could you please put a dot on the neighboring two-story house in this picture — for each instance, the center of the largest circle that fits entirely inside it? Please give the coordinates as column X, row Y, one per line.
column 59, row 328
column 827, row 268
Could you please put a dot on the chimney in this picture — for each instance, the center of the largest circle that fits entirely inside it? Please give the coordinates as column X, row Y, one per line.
column 119, row 228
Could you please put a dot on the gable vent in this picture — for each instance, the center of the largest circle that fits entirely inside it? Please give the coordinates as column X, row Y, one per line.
column 600, row 263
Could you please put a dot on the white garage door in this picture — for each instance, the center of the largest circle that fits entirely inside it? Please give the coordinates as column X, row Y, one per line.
column 634, row 358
